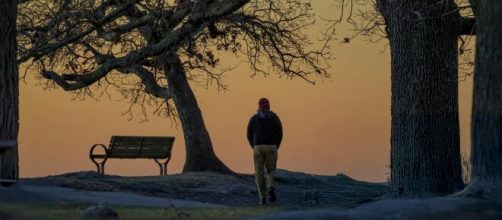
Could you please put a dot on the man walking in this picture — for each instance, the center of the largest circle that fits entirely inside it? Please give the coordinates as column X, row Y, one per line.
column 264, row 134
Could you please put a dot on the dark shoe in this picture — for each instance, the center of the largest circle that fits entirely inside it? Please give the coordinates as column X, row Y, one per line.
column 263, row 201
column 272, row 195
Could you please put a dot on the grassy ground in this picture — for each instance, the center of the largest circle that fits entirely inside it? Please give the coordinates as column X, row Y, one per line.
column 70, row 211
column 296, row 190
column 309, row 196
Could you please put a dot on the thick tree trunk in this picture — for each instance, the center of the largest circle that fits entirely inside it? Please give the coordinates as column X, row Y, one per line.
column 200, row 155
column 487, row 104
column 425, row 148
column 9, row 91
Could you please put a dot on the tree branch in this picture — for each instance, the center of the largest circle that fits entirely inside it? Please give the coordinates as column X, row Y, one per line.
column 116, row 32
column 151, row 85
column 62, row 81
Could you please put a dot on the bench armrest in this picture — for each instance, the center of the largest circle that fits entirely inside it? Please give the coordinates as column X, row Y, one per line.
column 93, row 148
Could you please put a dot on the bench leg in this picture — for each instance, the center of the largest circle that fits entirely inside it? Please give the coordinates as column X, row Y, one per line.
column 100, row 167
column 162, row 166
column 163, row 169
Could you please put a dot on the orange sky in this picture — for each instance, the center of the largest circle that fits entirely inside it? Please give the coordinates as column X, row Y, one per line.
column 340, row 125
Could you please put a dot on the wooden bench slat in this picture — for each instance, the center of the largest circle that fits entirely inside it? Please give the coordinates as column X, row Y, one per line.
column 153, row 146
column 122, row 148
column 119, row 154
column 126, row 156
column 158, row 139
column 125, row 142
column 155, row 150
column 126, row 145
column 153, row 153
column 156, row 156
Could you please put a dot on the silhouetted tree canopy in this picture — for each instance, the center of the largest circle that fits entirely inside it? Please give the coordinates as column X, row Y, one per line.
column 78, row 43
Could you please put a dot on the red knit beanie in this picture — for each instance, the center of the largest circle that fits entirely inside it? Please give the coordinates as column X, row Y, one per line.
column 263, row 104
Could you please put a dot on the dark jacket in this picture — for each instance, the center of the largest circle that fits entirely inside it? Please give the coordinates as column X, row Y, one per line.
column 265, row 128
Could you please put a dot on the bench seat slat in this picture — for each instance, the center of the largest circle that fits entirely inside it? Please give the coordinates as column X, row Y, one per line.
column 139, row 157
column 131, row 152
column 153, row 155
column 125, row 149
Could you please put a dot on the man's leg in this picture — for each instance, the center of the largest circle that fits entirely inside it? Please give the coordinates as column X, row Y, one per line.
column 271, row 165
column 259, row 165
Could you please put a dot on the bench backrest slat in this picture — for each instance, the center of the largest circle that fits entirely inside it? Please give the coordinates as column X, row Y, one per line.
column 140, row 147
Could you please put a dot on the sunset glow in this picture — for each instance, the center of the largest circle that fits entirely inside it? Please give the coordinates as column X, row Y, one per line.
column 339, row 125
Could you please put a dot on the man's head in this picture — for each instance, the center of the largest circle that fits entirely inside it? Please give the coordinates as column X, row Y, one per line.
column 263, row 104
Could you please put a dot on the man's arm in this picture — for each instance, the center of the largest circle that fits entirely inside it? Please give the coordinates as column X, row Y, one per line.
column 251, row 131
column 279, row 132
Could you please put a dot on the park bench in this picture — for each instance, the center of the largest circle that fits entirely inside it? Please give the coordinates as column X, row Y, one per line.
column 134, row 147
column 6, row 145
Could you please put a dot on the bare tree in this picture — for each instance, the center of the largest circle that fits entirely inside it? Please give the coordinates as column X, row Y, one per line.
column 423, row 37
column 487, row 104
column 101, row 44
column 9, row 92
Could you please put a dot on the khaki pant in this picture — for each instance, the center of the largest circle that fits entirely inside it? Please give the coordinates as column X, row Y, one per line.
column 265, row 161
